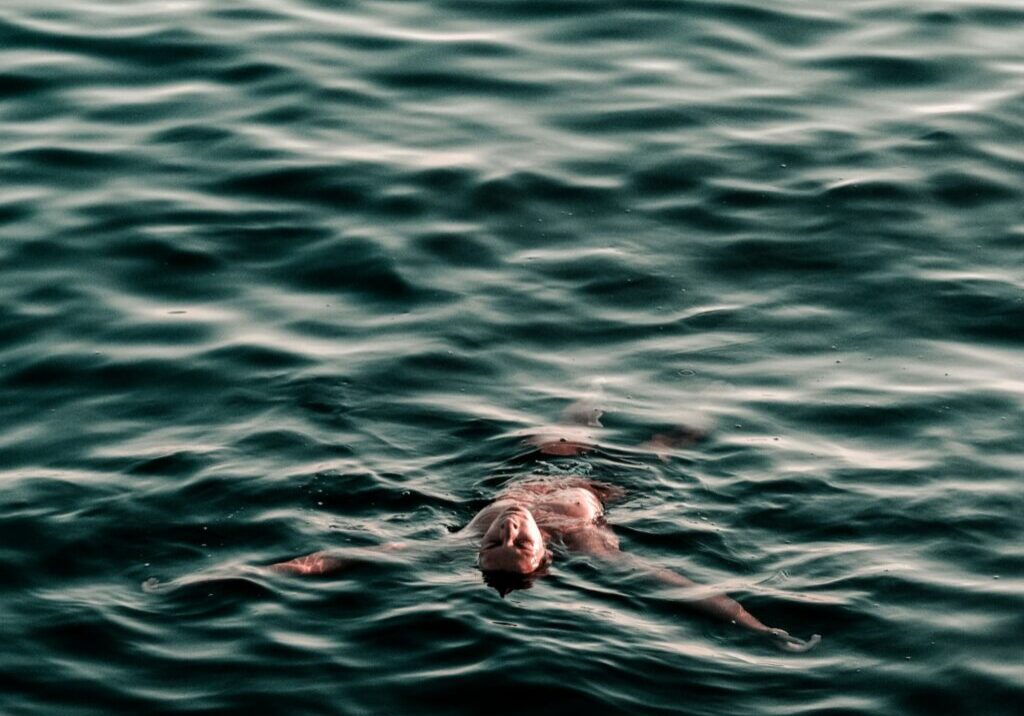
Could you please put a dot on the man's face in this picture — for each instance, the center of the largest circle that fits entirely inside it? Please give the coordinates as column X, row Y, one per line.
column 512, row 544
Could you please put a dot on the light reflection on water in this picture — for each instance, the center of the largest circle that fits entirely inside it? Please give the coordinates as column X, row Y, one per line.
column 285, row 275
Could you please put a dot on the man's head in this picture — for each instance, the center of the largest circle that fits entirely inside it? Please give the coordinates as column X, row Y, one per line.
column 513, row 544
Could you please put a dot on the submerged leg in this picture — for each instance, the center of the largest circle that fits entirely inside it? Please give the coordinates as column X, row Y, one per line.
column 572, row 436
column 587, row 411
column 583, row 412
column 682, row 436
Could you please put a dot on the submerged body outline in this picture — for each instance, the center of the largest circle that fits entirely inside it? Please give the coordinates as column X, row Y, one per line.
column 531, row 518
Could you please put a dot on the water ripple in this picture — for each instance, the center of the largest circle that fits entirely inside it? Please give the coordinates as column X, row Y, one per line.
column 288, row 275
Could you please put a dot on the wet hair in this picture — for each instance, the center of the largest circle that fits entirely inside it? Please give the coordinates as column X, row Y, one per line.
column 504, row 582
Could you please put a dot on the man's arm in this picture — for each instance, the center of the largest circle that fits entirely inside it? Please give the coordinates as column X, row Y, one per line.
column 317, row 563
column 312, row 564
column 601, row 542
column 325, row 562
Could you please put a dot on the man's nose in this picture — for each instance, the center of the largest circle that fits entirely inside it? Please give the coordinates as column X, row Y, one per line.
column 509, row 530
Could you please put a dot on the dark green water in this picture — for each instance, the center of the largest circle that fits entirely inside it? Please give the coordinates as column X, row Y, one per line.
column 279, row 275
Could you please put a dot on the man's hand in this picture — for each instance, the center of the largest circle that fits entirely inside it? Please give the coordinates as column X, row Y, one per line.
column 784, row 641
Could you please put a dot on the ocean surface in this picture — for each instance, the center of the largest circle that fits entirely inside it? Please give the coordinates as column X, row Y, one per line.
column 287, row 275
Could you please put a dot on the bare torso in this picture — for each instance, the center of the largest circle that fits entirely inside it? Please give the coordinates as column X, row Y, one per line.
column 568, row 511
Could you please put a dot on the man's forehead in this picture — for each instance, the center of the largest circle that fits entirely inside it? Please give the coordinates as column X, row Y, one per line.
column 502, row 558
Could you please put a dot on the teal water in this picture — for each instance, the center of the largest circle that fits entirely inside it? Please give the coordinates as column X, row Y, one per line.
column 281, row 275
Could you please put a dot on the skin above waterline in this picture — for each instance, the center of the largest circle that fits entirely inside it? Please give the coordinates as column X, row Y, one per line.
column 515, row 534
